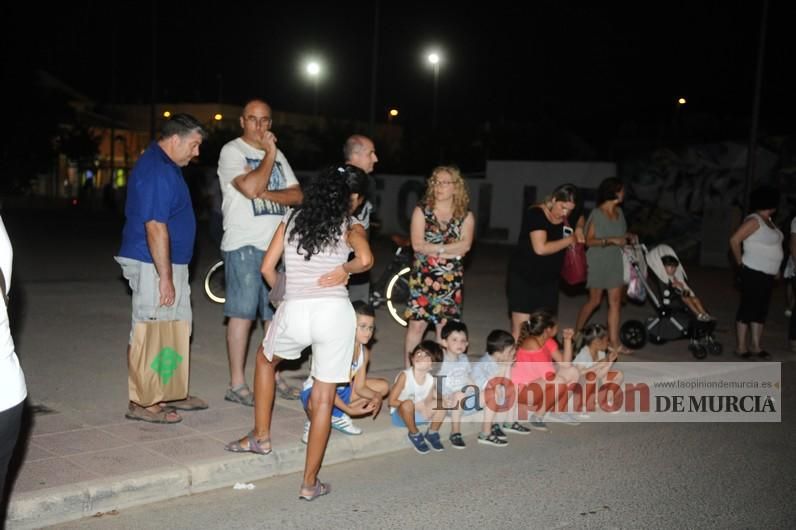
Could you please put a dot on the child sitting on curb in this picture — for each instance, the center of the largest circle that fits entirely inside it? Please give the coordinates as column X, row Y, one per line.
column 592, row 358
column 363, row 395
column 454, row 376
column 413, row 396
column 533, row 371
column 487, row 374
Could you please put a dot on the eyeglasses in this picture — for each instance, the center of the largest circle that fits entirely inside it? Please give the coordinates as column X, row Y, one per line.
column 254, row 120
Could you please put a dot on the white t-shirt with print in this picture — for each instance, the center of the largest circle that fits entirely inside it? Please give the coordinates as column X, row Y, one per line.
column 250, row 221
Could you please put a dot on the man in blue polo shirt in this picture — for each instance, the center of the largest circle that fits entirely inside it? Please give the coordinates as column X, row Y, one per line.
column 158, row 240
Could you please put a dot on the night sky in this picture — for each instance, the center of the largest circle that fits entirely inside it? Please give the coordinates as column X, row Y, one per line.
column 590, row 66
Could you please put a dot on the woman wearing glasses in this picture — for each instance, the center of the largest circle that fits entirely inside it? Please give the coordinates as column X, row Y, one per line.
column 442, row 230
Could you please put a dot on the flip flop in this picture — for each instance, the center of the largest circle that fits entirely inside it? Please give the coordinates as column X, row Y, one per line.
column 319, row 490
column 139, row 413
column 189, row 403
column 254, row 446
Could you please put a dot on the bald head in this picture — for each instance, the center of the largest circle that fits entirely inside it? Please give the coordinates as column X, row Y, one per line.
column 359, row 151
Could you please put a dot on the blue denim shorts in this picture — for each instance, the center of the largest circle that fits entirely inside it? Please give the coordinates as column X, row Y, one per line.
column 246, row 290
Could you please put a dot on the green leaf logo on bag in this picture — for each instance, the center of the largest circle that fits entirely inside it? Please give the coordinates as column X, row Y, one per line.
column 166, row 363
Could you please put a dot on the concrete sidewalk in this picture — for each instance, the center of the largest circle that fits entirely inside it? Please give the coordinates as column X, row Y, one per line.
column 81, row 457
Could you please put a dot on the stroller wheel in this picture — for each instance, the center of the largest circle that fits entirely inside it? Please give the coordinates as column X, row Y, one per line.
column 633, row 334
column 698, row 350
column 715, row 348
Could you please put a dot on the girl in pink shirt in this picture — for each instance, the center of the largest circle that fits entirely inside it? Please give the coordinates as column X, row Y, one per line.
column 533, row 371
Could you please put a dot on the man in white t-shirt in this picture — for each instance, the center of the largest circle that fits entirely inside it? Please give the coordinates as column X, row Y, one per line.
column 257, row 186
column 359, row 151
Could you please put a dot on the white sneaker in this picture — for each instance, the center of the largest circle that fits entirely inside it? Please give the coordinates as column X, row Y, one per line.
column 345, row 425
column 305, row 436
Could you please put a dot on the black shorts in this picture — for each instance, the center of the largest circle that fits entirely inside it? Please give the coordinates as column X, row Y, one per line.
column 756, row 290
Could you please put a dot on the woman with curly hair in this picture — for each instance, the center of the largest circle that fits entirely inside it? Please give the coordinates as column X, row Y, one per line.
column 316, row 241
column 442, row 233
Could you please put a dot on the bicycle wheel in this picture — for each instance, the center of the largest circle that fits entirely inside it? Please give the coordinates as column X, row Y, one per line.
column 398, row 295
column 215, row 287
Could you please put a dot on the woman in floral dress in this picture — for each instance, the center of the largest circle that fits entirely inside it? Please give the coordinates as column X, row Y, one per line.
column 442, row 233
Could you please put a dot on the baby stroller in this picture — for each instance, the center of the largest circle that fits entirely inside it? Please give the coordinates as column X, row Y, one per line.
column 672, row 319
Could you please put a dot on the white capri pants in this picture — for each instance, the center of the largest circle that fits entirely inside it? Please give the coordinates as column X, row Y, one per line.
column 326, row 324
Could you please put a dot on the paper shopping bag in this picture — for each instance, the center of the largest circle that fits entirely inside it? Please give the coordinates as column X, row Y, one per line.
column 159, row 361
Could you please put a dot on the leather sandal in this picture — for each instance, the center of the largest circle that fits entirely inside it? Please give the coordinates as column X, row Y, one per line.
column 189, row 403
column 286, row 391
column 240, row 394
column 253, row 447
column 164, row 415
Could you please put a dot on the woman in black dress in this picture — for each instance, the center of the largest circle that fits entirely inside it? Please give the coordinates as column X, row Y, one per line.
column 535, row 265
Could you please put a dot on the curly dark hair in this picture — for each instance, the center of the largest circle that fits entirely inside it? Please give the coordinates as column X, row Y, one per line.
column 324, row 214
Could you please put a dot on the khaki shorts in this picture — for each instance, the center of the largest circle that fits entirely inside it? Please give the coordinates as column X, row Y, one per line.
column 144, row 279
column 326, row 324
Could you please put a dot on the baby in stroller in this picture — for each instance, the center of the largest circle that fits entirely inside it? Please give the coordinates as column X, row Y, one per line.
column 679, row 314
column 673, row 270
column 667, row 268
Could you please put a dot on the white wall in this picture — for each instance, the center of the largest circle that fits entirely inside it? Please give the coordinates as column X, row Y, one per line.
column 509, row 179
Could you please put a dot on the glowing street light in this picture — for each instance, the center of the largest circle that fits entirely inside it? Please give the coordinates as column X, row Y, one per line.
column 166, row 114
column 681, row 101
column 218, row 117
column 313, row 70
column 434, row 58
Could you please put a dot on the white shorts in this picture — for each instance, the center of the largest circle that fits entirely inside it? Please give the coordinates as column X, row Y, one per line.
column 326, row 324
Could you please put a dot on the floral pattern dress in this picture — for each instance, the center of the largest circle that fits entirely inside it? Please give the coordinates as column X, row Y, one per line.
column 435, row 284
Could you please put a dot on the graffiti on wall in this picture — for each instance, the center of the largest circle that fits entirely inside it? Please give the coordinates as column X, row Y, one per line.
column 668, row 192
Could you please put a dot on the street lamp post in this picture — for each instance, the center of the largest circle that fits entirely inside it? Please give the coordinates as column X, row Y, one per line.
column 314, row 71
column 434, row 59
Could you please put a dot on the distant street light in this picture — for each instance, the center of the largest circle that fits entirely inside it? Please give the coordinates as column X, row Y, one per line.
column 391, row 115
column 681, row 101
column 218, row 117
column 434, row 58
column 313, row 69
column 167, row 114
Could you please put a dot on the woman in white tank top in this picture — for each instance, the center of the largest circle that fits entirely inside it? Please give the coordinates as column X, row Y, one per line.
column 757, row 249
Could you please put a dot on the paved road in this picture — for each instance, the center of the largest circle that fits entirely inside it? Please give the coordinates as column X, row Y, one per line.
column 72, row 322
column 589, row 476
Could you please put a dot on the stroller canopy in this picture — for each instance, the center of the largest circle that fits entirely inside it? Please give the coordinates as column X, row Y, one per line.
column 656, row 265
